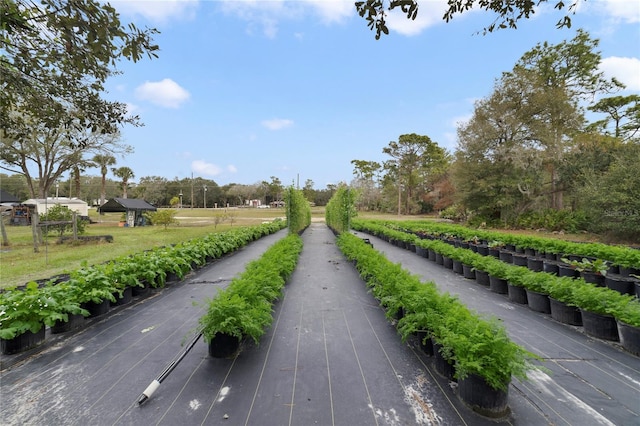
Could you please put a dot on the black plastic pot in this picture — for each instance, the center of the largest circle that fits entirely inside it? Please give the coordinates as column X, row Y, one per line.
column 439, row 259
column 443, row 367
column 620, row 284
column 506, row 256
column 517, row 294
column 421, row 251
column 629, row 337
column 564, row 313
column 457, row 267
column 425, row 343
column 538, row 302
column 474, row 391
column 447, row 262
column 600, row 326
column 223, row 345
column 520, row 259
column 141, row 291
column 482, row 277
column 626, row 272
column 74, row 322
column 432, row 255
column 535, row 264
column 593, row 278
column 22, row 342
column 550, row 266
column 468, row 272
column 96, row 309
column 498, row 285
column 127, row 296
column 171, row 277
column 483, row 250
column 565, row 270
column 550, row 256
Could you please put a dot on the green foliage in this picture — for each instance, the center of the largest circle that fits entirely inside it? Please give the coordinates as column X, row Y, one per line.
column 341, row 209
column 60, row 213
column 33, row 307
column 601, row 300
column 619, row 255
column 454, row 212
column 612, row 200
column 243, row 309
column 34, row 62
column 573, row 292
column 94, row 284
column 478, row 346
column 30, row 308
column 164, row 217
column 597, row 265
column 298, row 210
column 508, row 13
column 553, row 220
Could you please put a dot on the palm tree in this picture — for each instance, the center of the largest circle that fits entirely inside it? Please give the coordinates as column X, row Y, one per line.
column 104, row 161
column 124, row 173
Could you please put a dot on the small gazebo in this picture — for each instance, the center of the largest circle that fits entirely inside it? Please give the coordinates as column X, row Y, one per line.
column 132, row 208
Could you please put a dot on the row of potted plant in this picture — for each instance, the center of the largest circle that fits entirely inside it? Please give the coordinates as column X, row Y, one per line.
column 478, row 346
column 244, row 308
column 619, row 255
column 25, row 312
column 570, row 291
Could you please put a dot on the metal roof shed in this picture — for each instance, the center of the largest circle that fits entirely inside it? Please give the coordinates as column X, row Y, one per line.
column 132, row 207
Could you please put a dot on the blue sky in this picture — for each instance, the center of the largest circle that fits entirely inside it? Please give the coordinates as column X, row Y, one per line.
column 245, row 90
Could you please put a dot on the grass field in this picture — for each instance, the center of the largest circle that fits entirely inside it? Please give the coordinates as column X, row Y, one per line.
column 19, row 263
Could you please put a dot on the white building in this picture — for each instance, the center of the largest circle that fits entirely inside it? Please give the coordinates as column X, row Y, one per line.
column 42, row 205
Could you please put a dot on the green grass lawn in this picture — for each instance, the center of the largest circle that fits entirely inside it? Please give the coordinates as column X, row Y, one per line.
column 19, row 263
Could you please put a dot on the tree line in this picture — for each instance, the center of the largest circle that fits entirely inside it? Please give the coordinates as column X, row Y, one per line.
column 162, row 192
column 552, row 146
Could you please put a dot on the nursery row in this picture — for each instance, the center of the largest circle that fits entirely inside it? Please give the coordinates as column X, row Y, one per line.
column 619, row 256
column 244, row 308
column 545, row 292
column 25, row 312
column 472, row 349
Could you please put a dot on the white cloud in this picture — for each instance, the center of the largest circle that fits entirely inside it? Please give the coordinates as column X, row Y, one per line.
column 166, row 93
column 429, row 14
column 626, row 70
column 277, row 123
column 623, row 10
column 232, row 169
column 203, row 168
column 158, row 10
column 131, row 108
column 266, row 15
column 332, row 10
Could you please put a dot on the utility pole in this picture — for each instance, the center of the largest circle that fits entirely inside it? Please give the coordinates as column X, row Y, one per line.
column 191, row 190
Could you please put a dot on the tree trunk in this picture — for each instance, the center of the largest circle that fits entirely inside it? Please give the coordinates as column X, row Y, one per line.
column 76, row 181
column 103, row 191
column 5, row 238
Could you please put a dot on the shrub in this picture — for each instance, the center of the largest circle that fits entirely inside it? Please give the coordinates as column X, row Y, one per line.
column 164, row 217
column 60, row 213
